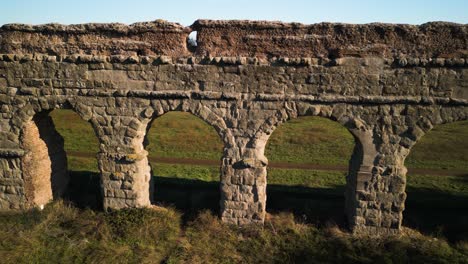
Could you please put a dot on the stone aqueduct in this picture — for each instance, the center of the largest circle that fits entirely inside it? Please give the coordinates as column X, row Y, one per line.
column 387, row 84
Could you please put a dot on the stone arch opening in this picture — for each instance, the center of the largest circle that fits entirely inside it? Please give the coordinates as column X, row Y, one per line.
column 309, row 158
column 185, row 155
column 192, row 41
column 437, row 182
column 60, row 159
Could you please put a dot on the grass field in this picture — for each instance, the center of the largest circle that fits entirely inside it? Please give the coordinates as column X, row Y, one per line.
column 445, row 147
column 436, row 205
column 181, row 135
column 64, row 234
column 311, row 140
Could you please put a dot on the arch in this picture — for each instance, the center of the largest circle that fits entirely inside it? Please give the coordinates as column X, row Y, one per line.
column 364, row 151
column 197, row 123
column 296, row 181
column 339, row 113
column 24, row 113
column 436, row 185
column 45, row 163
column 362, row 160
column 197, row 108
column 421, row 119
column 199, row 116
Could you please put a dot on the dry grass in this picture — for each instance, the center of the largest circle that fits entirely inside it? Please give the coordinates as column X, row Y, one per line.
column 64, row 234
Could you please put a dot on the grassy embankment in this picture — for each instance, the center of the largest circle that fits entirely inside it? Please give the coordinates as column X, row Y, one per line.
column 63, row 234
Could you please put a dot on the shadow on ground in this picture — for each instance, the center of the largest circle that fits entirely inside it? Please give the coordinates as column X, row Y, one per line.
column 308, row 204
column 187, row 195
column 429, row 211
column 84, row 190
column 437, row 213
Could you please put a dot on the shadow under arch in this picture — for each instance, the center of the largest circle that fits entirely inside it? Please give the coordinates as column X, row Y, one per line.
column 437, row 181
column 46, row 162
column 185, row 153
column 311, row 158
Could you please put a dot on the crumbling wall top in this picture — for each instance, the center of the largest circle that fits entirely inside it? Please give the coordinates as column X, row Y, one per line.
column 118, row 28
column 241, row 38
column 146, row 38
column 270, row 39
column 264, row 24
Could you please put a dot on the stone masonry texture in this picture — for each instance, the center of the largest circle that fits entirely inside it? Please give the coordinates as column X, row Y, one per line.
column 387, row 84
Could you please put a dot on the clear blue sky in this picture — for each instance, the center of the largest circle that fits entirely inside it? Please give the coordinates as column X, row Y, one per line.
column 185, row 12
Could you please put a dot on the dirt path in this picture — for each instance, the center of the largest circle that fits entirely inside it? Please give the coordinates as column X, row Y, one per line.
column 280, row 165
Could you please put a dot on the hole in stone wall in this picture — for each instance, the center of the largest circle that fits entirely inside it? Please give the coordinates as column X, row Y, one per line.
column 192, row 41
column 185, row 154
column 61, row 160
column 437, row 182
column 308, row 162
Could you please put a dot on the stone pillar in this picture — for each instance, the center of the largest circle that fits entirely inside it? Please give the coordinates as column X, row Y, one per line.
column 125, row 179
column 125, row 171
column 44, row 164
column 11, row 178
column 359, row 174
column 11, row 181
column 243, row 187
column 376, row 182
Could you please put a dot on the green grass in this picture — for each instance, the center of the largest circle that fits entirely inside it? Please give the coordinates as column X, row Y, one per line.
column 64, row 234
column 306, row 178
column 444, row 147
column 78, row 134
column 456, row 185
column 179, row 171
column 312, row 140
column 82, row 163
column 182, row 135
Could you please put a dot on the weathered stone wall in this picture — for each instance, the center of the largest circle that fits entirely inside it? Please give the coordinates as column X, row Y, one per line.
column 329, row 40
column 95, row 39
column 387, row 100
